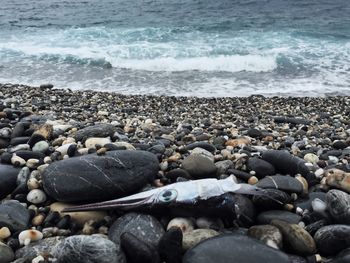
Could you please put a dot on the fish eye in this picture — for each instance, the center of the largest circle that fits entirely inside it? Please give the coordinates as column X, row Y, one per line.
column 168, row 195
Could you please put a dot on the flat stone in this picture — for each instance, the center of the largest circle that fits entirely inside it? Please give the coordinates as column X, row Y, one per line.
column 285, row 183
column 275, row 199
column 204, row 145
column 267, row 216
column 144, row 227
column 292, row 120
column 14, row 216
column 8, row 177
column 199, row 166
column 285, row 163
column 94, row 178
column 98, row 130
column 332, row 239
column 225, row 248
column 87, row 249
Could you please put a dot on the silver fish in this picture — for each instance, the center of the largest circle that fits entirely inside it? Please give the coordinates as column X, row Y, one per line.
column 205, row 197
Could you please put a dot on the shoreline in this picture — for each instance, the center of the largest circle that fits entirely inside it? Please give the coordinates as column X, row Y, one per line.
column 59, row 148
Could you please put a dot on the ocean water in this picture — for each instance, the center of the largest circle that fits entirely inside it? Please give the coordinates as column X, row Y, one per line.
column 179, row 47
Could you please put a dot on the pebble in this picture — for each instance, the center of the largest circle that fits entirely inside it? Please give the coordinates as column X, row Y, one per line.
column 82, row 249
column 298, row 240
column 144, row 227
column 14, row 215
column 285, row 183
column 192, row 238
column 28, row 236
column 95, row 178
column 199, row 166
column 311, row 158
column 338, row 178
column 267, row 216
column 36, row 196
column 41, row 146
column 92, row 142
column 260, row 167
column 6, row 253
column 338, row 205
column 170, row 246
column 268, row 234
column 185, row 224
column 224, row 248
column 98, row 130
column 332, row 239
column 8, row 179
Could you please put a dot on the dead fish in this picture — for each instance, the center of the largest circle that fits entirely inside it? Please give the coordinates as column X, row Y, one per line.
column 205, row 197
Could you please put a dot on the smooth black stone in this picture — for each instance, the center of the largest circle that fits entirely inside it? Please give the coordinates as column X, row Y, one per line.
column 239, row 174
column 261, row 167
column 285, row 163
column 246, row 213
column 113, row 147
column 204, row 145
column 138, row 251
column 4, row 143
column 64, row 222
column 14, row 216
column 267, row 216
column 332, row 239
column 6, row 158
column 98, row 130
column 170, row 246
column 306, row 203
column 8, row 178
column 157, row 149
column 176, row 173
column 233, row 248
column 145, row 227
column 18, row 130
column 94, row 178
column 340, row 145
column 254, row 133
column 315, row 226
column 34, row 139
column 84, row 249
column 283, row 119
column 19, row 140
column 72, row 149
column 281, row 182
column 30, row 155
column 274, row 199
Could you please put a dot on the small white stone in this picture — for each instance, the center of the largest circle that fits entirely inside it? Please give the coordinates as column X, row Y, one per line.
column 4, row 233
column 17, row 161
column 64, row 148
column 127, row 145
column 203, row 152
column 19, row 147
column 36, row 196
column 68, row 140
column 333, row 159
column 319, row 173
column 42, row 167
column 185, row 224
column 32, row 163
column 33, row 183
column 47, row 159
column 91, row 142
column 318, row 205
column 28, row 236
column 38, row 259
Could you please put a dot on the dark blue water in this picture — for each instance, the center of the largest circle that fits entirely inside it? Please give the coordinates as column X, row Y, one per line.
column 179, row 47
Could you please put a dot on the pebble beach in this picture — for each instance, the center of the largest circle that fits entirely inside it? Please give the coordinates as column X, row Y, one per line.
column 60, row 148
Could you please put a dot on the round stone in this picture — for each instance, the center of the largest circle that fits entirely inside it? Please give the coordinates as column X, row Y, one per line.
column 332, row 239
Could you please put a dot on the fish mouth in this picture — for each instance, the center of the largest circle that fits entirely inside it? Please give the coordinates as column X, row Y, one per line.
column 123, row 203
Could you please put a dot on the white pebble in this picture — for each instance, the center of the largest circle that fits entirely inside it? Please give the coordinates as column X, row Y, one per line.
column 185, row 224
column 91, row 142
column 318, row 205
column 33, row 183
column 41, row 146
column 64, row 148
column 38, row 259
column 27, row 236
column 17, row 161
column 319, row 173
column 32, row 163
column 36, row 196
column 47, row 160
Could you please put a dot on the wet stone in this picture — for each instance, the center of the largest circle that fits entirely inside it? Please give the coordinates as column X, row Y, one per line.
column 275, row 199
column 268, row 234
column 192, row 238
column 224, row 248
column 92, row 177
column 170, row 246
column 6, row 253
column 332, row 239
column 144, row 227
